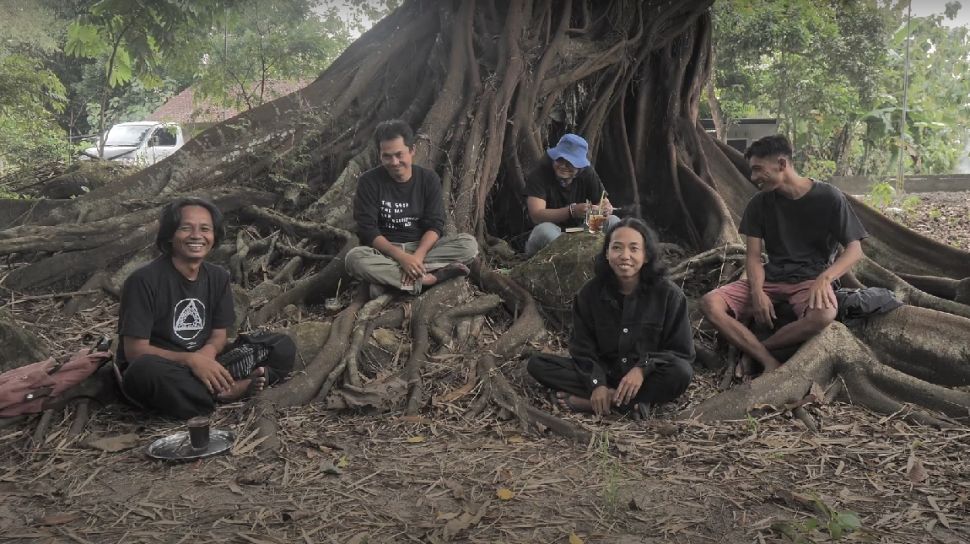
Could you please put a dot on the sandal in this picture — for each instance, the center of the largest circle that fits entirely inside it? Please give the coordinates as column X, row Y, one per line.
column 561, row 400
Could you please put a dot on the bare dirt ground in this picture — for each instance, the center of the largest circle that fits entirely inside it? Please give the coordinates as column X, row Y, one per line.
column 439, row 477
column 941, row 216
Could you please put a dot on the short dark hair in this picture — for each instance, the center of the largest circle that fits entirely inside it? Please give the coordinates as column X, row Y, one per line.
column 653, row 269
column 394, row 128
column 171, row 218
column 770, row 146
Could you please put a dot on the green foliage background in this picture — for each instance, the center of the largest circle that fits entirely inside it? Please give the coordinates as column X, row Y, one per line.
column 70, row 68
column 832, row 72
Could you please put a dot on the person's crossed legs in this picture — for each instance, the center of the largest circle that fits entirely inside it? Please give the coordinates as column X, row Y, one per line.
column 447, row 259
column 727, row 306
column 665, row 382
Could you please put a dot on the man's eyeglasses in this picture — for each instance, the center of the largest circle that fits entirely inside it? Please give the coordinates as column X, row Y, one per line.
column 563, row 163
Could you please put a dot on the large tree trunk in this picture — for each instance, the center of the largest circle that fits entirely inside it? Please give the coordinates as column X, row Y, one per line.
column 489, row 85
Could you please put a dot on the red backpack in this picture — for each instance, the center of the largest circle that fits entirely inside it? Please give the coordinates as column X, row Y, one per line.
column 25, row 389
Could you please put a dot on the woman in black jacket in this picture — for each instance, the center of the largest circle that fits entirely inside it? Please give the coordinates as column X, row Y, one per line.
column 631, row 342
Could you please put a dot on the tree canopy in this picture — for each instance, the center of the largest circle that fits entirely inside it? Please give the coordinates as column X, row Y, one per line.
column 72, row 68
column 832, row 72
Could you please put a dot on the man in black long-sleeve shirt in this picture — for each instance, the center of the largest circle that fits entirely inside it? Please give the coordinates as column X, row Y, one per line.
column 400, row 218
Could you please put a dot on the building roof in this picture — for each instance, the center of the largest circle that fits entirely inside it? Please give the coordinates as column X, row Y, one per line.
column 184, row 109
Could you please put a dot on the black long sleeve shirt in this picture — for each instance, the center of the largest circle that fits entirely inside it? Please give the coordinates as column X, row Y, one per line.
column 612, row 333
column 401, row 212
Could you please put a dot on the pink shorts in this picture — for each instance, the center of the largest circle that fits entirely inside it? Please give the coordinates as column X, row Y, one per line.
column 738, row 296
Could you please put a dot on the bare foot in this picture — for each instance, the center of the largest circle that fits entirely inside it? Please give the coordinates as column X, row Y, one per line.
column 453, row 270
column 771, row 365
column 572, row 403
column 246, row 387
column 745, row 369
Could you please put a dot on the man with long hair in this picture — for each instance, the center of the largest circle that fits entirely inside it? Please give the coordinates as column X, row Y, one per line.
column 631, row 343
column 174, row 320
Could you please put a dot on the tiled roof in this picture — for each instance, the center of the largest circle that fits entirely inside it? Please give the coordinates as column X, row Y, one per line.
column 184, row 109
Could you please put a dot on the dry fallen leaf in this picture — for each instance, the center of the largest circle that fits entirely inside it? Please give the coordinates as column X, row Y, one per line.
column 915, row 470
column 573, row 539
column 467, row 519
column 112, row 444
column 504, row 493
column 58, row 519
column 415, row 439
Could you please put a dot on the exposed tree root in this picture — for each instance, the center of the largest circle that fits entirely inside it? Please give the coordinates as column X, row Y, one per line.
column 426, row 308
column 303, row 388
column 82, row 413
column 361, row 334
column 90, row 292
column 71, row 265
column 527, row 327
column 488, row 86
column 872, row 274
column 447, row 321
column 927, row 344
column 704, row 260
column 836, row 354
column 40, row 431
column 902, row 250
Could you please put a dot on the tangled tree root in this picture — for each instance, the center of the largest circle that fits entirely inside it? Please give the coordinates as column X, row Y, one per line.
column 867, row 375
column 337, row 363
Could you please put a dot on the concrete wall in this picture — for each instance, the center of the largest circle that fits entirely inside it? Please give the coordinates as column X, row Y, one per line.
column 860, row 185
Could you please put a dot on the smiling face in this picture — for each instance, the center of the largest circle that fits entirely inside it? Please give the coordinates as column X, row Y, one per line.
column 767, row 172
column 195, row 235
column 396, row 158
column 564, row 169
column 626, row 253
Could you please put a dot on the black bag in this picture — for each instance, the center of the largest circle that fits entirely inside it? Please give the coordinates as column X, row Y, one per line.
column 855, row 305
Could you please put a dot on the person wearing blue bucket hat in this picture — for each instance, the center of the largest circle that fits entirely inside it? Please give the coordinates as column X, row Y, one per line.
column 558, row 191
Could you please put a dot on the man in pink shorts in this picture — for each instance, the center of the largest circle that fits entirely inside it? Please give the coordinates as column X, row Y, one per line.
column 800, row 223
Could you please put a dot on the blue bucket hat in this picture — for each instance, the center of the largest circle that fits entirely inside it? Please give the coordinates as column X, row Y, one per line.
column 573, row 148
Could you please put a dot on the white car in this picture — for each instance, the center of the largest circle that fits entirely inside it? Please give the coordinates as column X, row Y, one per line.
column 141, row 143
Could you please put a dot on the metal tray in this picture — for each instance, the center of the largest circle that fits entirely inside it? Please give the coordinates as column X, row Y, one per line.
column 177, row 447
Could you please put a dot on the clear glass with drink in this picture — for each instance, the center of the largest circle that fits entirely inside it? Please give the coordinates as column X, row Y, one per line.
column 595, row 218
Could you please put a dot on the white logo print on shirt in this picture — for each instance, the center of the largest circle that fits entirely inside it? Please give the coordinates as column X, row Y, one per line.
column 189, row 318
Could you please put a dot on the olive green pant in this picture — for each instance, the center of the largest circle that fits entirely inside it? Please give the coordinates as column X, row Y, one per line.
column 368, row 264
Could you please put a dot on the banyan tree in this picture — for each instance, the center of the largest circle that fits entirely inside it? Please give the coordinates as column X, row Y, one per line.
column 488, row 85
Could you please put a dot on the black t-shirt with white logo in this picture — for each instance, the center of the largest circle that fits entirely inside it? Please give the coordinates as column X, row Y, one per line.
column 400, row 212
column 171, row 311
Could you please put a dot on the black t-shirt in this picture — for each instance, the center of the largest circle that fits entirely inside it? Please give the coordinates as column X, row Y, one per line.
column 401, row 212
column 543, row 183
column 172, row 312
column 801, row 237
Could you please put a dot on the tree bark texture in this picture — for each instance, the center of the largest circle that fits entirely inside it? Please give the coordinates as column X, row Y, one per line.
column 488, row 86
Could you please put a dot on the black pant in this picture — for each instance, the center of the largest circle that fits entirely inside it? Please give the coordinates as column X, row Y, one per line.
column 172, row 389
column 667, row 381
